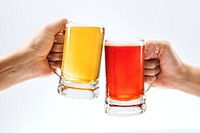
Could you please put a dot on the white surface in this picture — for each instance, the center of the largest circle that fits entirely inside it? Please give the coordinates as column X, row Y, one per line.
column 35, row 107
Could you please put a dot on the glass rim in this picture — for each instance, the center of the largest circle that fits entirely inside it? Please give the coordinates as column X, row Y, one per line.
column 76, row 24
column 124, row 41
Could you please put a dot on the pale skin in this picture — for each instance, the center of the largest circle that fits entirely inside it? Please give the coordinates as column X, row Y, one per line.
column 164, row 68
column 39, row 57
column 43, row 54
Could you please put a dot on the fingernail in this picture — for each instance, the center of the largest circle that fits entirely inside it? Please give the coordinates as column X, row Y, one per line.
column 157, row 52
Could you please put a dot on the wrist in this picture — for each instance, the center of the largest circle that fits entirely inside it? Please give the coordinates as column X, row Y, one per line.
column 15, row 68
column 25, row 63
column 189, row 79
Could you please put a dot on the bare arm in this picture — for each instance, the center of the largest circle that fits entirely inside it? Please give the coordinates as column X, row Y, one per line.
column 14, row 68
column 36, row 59
column 189, row 80
column 164, row 68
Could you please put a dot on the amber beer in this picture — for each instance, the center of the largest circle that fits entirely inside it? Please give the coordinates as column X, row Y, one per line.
column 81, row 61
column 124, row 77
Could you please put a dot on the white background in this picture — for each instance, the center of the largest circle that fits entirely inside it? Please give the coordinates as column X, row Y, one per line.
column 35, row 106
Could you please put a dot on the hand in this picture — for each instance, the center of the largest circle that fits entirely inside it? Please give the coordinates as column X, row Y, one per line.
column 38, row 58
column 162, row 66
column 46, row 48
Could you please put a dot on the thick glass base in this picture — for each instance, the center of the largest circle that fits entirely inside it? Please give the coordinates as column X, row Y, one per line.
column 125, row 108
column 80, row 91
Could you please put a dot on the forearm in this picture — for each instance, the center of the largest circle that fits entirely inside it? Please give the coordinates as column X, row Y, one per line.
column 190, row 80
column 14, row 68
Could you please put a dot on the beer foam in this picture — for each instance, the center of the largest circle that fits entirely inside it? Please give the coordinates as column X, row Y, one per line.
column 76, row 24
column 128, row 42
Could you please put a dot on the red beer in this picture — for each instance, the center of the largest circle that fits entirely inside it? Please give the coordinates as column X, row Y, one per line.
column 124, row 71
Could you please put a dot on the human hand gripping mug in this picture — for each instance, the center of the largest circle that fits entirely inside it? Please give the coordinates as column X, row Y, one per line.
column 124, row 61
column 81, row 61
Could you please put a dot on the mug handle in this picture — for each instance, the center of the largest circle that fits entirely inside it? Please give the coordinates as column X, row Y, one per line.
column 58, row 72
column 60, row 33
column 147, row 87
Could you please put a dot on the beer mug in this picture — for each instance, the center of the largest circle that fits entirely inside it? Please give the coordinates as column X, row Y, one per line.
column 125, row 93
column 81, row 60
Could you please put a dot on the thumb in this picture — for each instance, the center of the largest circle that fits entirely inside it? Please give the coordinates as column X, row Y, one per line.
column 152, row 49
column 54, row 27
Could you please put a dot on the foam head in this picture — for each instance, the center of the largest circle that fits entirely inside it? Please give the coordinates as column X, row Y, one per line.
column 124, row 42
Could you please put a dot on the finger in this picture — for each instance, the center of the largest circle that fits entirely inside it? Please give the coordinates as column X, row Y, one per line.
column 57, row 48
column 151, row 64
column 152, row 49
column 55, row 56
column 55, row 27
column 59, row 39
column 152, row 72
column 150, row 79
column 61, row 32
column 55, row 64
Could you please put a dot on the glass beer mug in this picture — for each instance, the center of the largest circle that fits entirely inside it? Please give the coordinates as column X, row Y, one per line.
column 125, row 93
column 79, row 77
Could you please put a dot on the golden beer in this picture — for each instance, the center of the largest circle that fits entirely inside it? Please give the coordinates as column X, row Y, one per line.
column 81, row 60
